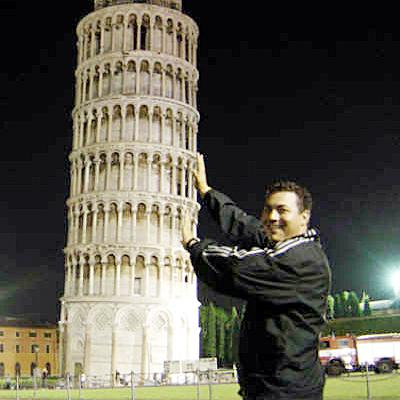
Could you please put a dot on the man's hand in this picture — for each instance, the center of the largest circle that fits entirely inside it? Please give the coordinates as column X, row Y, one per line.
column 200, row 176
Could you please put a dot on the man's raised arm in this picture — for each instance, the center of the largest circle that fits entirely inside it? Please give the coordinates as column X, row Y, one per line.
column 242, row 229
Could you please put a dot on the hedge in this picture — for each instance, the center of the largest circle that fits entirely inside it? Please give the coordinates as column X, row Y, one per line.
column 364, row 325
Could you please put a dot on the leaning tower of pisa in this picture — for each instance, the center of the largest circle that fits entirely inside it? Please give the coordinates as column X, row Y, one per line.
column 130, row 296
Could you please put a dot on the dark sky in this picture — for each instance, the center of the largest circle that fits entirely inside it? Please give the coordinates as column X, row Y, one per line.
column 317, row 102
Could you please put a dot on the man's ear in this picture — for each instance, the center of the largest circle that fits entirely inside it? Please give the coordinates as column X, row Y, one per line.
column 306, row 214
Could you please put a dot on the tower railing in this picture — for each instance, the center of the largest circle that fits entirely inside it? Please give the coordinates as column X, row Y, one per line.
column 174, row 4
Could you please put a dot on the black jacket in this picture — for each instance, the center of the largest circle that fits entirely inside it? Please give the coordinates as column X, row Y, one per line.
column 286, row 289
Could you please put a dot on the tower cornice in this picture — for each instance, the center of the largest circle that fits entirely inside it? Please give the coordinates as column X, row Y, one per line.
column 173, row 4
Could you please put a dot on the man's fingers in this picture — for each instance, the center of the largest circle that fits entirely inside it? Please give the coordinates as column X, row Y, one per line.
column 200, row 161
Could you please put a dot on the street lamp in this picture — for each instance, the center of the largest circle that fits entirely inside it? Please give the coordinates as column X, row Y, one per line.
column 36, row 351
column 395, row 281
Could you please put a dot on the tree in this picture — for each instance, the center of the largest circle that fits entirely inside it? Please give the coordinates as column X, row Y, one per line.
column 338, row 306
column 209, row 349
column 203, row 326
column 242, row 310
column 354, row 304
column 345, row 303
column 229, row 336
column 330, row 314
column 367, row 308
column 221, row 320
column 236, row 337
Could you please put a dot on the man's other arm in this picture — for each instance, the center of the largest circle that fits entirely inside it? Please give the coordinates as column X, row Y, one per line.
column 244, row 274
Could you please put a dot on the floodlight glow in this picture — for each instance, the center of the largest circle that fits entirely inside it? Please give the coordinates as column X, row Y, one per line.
column 395, row 281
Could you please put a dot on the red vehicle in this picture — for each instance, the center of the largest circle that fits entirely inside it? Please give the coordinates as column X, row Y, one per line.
column 381, row 352
column 338, row 354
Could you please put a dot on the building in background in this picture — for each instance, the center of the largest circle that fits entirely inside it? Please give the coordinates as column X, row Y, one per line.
column 26, row 344
column 130, row 298
column 379, row 307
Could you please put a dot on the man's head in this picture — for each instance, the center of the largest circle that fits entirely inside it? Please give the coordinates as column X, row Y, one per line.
column 287, row 210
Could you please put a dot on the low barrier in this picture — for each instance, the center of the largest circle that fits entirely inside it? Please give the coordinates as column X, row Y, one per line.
column 130, row 380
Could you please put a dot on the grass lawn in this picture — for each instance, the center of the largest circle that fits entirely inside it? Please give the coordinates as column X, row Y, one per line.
column 383, row 387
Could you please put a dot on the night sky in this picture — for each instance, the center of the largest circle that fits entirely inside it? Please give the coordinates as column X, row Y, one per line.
column 316, row 102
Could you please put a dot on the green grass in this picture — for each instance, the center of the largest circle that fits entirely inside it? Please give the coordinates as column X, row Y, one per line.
column 353, row 387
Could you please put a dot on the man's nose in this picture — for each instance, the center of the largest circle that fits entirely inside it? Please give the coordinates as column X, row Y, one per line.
column 273, row 215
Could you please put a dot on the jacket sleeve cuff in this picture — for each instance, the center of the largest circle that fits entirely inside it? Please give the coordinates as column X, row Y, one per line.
column 197, row 248
column 207, row 198
column 191, row 242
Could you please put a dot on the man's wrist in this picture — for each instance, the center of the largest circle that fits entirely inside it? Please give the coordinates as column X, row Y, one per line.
column 204, row 190
column 191, row 242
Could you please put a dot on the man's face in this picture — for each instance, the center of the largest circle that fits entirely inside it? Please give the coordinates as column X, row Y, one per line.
column 282, row 218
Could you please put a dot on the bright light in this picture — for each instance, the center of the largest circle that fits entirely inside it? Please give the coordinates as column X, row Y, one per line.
column 395, row 282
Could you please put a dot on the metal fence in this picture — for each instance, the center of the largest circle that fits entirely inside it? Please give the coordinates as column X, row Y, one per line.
column 82, row 384
column 365, row 379
column 130, row 380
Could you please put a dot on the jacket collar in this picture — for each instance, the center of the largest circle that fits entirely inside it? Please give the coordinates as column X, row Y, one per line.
column 275, row 248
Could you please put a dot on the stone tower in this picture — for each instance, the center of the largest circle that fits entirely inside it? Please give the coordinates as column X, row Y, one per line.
column 130, row 297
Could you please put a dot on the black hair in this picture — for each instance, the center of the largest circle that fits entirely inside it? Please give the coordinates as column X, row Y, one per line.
column 304, row 196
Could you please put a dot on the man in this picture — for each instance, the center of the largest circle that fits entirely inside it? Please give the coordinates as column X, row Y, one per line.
column 280, row 269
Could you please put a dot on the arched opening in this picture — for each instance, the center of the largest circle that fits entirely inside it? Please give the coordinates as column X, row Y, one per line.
column 144, row 124
column 156, row 126
column 128, row 172
column 153, row 276
column 87, row 86
column 168, row 128
column 130, row 83
column 179, row 39
column 170, row 37
column 126, row 222
column 110, row 275
column 119, row 33
column 104, row 125
column 115, row 172
column 157, row 35
column 145, row 33
column 187, row 47
column 107, row 35
column 116, row 124
column 130, row 121
column 88, row 41
column 169, row 91
column 157, row 81
column 132, row 33
column 139, row 276
column 112, row 223
column 141, row 225
column 125, row 275
column 106, row 80
column 154, row 223
column 142, row 183
column 97, row 38
column 178, row 85
column 144, row 78
column 102, row 173
column 117, row 79
column 155, row 180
